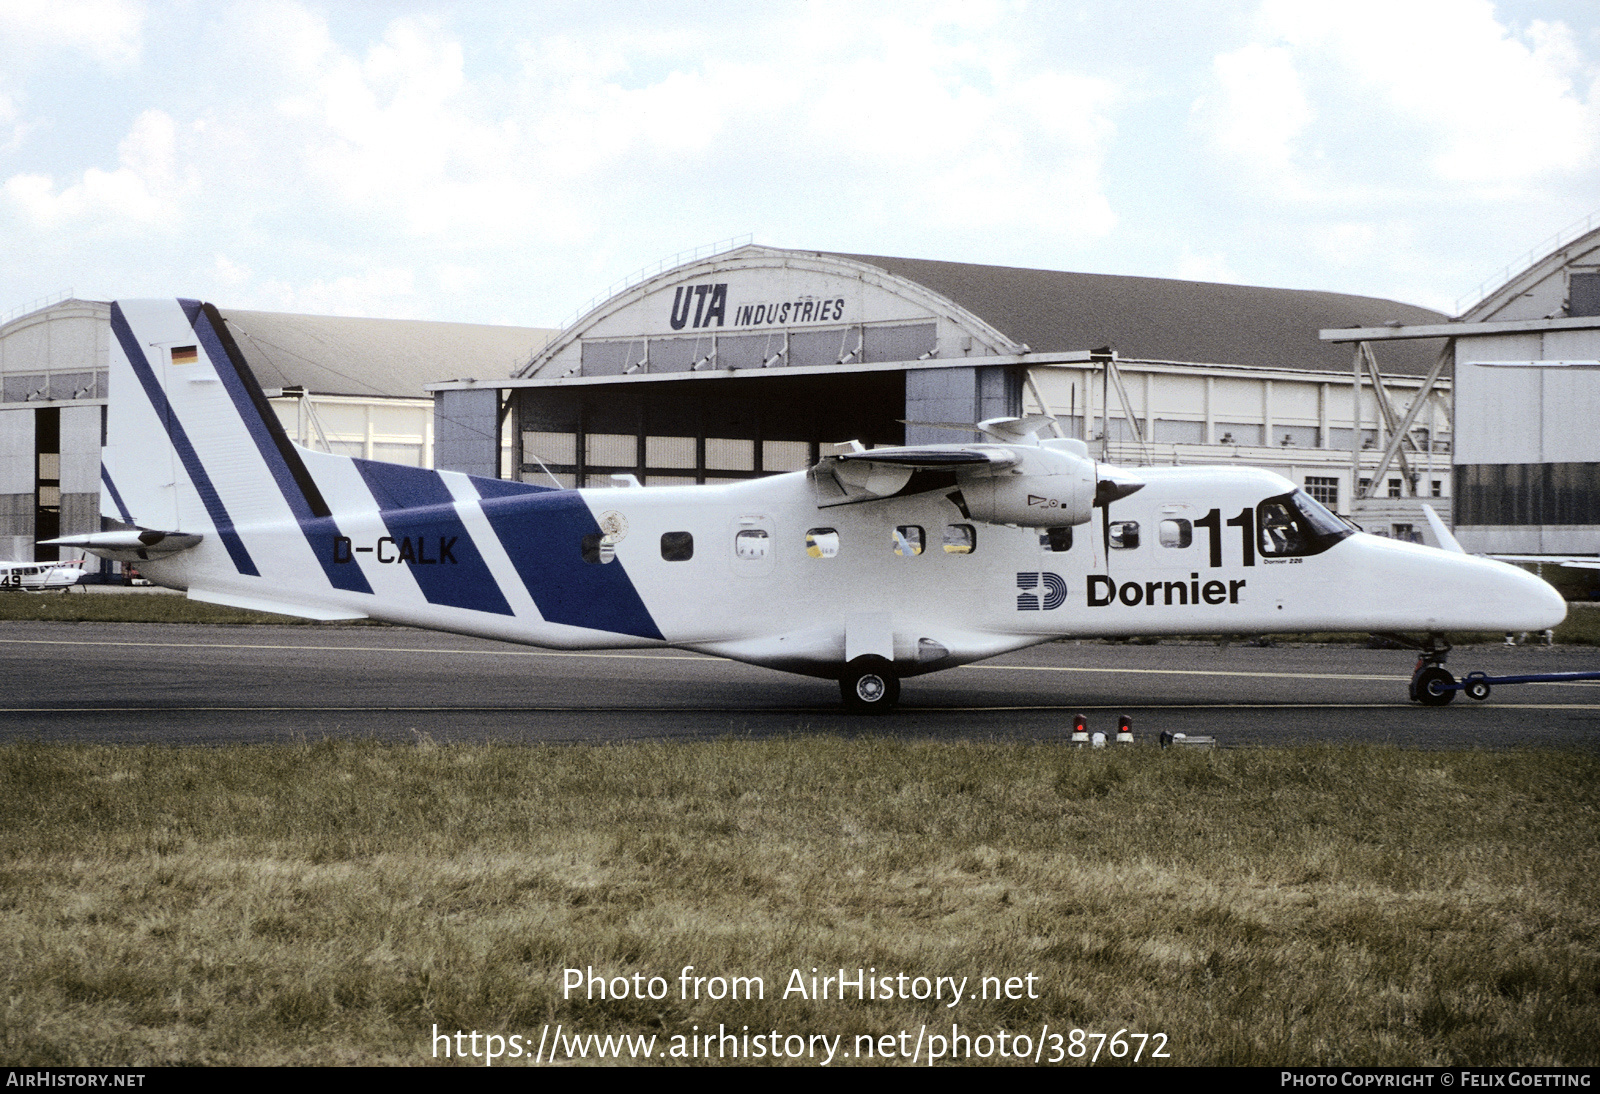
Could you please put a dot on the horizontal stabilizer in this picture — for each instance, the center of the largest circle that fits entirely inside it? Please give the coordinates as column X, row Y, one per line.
column 1579, row 562
column 128, row 544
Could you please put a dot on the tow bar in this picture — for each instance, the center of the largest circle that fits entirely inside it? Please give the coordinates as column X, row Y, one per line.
column 1432, row 684
column 1477, row 684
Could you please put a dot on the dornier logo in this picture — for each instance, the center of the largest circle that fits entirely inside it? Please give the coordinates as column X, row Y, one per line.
column 1054, row 592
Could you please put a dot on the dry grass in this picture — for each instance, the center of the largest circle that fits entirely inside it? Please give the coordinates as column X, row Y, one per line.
column 332, row 902
column 77, row 606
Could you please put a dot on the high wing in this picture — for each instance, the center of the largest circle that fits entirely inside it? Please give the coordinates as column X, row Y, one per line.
column 1029, row 483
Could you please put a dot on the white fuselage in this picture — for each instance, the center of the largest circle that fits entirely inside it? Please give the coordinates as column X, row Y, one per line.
column 777, row 601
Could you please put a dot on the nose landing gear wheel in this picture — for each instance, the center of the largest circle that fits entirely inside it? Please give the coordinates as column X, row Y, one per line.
column 869, row 686
column 1433, row 686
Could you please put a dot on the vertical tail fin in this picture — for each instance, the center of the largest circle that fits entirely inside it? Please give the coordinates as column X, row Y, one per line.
column 193, row 446
column 225, row 505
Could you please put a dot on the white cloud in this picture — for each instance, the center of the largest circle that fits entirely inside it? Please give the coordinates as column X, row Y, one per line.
column 145, row 191
column 1259, row 113
column 229, row 272
column 1442, row 86
column 381, row 291
column 404, row 134
column 1214, row 266
column 109, row 31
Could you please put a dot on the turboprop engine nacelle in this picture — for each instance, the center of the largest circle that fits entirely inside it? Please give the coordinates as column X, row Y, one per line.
column 1046, row 488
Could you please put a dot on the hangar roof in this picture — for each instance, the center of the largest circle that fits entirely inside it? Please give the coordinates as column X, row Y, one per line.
column 1542, row 290
column 1156, row 318
column 336, row 355
column 756, row 306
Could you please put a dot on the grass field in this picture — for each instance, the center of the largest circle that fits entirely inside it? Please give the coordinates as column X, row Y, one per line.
column 334, row 902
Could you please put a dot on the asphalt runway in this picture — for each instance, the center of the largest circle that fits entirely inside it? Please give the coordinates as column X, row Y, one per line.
column 186, row 684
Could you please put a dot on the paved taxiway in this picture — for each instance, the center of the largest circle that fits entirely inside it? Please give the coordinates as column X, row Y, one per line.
column 169, row 684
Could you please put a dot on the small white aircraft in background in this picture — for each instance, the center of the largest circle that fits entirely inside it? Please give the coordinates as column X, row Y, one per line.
column 38, row 577
column 873, row 566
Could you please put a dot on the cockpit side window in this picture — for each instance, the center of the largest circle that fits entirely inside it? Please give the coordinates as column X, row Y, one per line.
column 1295, row 525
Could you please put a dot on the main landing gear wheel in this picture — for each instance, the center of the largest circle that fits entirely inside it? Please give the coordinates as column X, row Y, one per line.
column 1434, row 686
column 869, row 686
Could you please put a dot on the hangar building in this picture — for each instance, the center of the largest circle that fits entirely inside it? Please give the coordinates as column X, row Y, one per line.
column 1527, row 396
column 753, row 360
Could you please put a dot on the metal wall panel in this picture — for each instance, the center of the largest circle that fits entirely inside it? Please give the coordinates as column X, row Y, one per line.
column 1168, row 431
column 669, row 452
column 1497, row 409
column 612, row 449
column 677, row 354
column 1571, row 404
column 959, row 395
column 730, row 454
column 16, row 521
column 823, row 347
column 80, row 451
column 466, row 432
column 74, row 342
column 911, row 342
column 1246, row 433
column 17, row 467
column 80, row 514
column 941, row 395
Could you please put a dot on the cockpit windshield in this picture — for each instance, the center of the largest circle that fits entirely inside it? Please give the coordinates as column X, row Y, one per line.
column 1293, row 525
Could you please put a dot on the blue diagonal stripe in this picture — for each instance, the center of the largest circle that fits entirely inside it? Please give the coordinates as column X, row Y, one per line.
column 543, row 536
column 293, row 479
column 418, row 507
column 180, row 444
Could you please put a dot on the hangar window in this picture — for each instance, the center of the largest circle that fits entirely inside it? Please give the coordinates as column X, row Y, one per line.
column 960, row 539
column 1124, row 534
column 822, row 543
column 1176, row 532
column 908, row 540
column 751, row 543
column 1056, row 539
column 677, row 546
column 599, row 549
column 1324, row 488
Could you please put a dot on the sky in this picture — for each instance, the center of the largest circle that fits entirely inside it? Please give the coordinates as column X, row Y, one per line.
column 509, row 163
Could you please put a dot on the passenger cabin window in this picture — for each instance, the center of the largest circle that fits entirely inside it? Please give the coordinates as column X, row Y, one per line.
column 908, row 540
column 599, row 549
column 1124, row 534
column 751, row 543
column 677, row 546
column 1176, row 532
column 960, row 539
column 822, row 543
column 1055, row 539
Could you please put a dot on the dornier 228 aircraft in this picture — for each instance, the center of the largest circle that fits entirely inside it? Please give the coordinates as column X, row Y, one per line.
column 872, row 566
